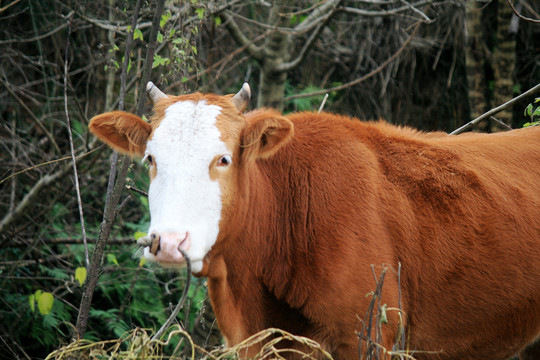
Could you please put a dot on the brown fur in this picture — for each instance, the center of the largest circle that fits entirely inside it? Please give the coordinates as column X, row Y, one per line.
column 307, row 213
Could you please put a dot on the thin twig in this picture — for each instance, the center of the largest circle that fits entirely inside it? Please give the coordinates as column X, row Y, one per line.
column 521, row 16
column 71, row 146
column 112, row 199
column 365, row 77
column 491, row 112
column 138, row 191
column 323, row 102
column 181, row 302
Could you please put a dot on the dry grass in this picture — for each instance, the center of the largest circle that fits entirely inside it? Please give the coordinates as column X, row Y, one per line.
column 138, row 344
column 273, row 343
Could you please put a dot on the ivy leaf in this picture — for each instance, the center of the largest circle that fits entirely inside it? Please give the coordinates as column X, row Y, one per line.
column 32, row 300
column 159, row 37
column 45, row 303
column 80, row 275
column 111, row 258
column 200, row 13
column 137, row 34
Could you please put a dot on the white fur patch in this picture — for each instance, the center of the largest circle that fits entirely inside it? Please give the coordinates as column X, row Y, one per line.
column 182, row 196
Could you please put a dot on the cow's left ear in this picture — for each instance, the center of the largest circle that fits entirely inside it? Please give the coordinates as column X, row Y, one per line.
column 124, row 132
column 265, row 135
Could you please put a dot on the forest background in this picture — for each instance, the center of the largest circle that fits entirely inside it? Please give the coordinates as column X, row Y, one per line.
column 432, row 65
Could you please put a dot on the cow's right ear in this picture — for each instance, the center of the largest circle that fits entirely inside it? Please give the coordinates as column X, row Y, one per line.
column 124, row 132
column 265, row 133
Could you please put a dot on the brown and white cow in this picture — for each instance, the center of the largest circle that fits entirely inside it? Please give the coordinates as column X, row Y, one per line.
column 285, row 216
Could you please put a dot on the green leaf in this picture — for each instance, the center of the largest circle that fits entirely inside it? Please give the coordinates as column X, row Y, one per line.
column 111, row 258
column 138, row 35
column 200, row 13
column 159, row 37
column 158, row 61
column 80, row 275
column 142, row 261
column 139, row 234
column 32, row 300
column 45, row 303
column 164, row 19
column 528, row 110
column 217, row 20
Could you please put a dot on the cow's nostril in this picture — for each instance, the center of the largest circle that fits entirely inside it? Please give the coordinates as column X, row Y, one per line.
column 154, row 246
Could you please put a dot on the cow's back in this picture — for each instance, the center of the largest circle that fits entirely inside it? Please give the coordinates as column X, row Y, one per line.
column 458, row 212
column 471, row 266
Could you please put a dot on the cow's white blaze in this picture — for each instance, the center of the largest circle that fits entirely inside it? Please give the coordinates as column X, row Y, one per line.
column 182, row 197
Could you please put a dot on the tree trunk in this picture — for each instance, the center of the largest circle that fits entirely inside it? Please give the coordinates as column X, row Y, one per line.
column 504, row 62
column 272, row 82
column 475, row 58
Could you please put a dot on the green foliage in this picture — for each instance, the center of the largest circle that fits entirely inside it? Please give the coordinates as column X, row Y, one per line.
column 532, row 111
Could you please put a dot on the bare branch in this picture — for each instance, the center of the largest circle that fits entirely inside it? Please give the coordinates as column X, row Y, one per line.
column 28, row 199
column 66, row 241
column 181, row 302
column 359, row 80
column 33, row 116
column 71, row 146
column 54, row 31
column 389, row 12
column 323, row 20
column 2, row 9
column 521, row 16
column 499, row 108
column 322, row 13
column 254, row 51
column 302, row 55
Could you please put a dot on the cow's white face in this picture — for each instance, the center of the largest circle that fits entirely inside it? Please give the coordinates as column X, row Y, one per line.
column 185, row 203
column 190, row 147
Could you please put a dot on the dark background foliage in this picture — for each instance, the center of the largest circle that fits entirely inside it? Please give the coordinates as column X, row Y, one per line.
column 449, row 63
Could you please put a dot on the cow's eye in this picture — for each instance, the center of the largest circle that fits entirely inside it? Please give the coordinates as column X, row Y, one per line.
column 148, row 159
column 225, row 160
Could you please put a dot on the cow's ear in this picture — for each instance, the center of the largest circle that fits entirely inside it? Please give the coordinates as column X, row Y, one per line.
column 124, row 132
column 265, row 135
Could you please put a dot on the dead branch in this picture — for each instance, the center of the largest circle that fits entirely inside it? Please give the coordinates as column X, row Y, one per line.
column 66, row 241
column 71, row 146
column 521, row 16
column 365, row 77
column 491, row 112
column 181, row 302
column 114, row 192
column 29, row 198
column 253, row 50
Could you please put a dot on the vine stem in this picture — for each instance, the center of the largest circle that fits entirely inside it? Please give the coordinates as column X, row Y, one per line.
column 181, row 302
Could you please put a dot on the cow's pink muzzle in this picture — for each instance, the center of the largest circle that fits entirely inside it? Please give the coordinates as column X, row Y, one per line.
column 166, row 246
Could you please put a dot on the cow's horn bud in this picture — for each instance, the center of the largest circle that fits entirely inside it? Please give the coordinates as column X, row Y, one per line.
column 154, row 93
column 241, row 99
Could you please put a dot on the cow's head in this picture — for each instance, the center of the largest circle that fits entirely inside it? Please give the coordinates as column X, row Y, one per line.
column 194, row 147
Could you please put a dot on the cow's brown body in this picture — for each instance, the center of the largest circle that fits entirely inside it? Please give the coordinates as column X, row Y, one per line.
column 302, row 227
column 460, row 213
